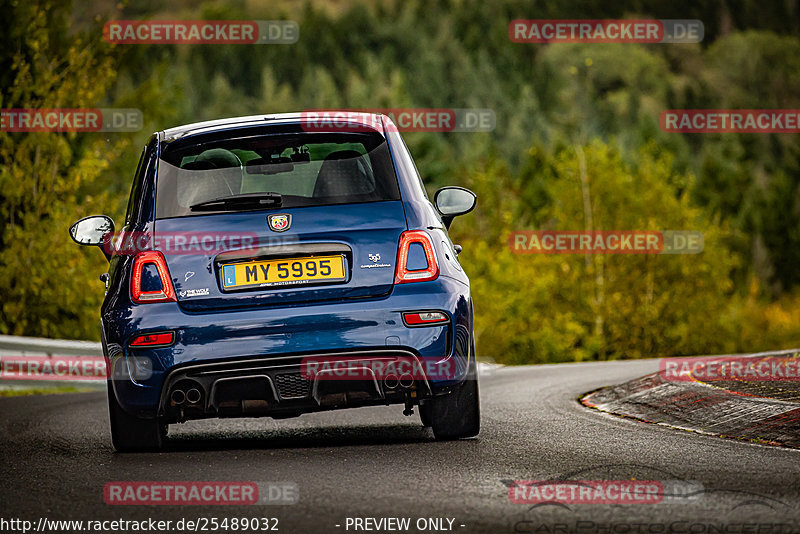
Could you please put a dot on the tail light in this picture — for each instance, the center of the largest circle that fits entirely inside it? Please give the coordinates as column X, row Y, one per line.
column 424, row 318
column 402, row 274
column 162, row 339
column 166, row 293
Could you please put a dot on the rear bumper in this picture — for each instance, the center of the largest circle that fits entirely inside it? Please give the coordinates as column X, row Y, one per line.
column 288, row 385
column 270, row 344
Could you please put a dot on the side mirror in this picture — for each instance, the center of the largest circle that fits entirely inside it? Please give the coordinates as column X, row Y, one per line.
column 452, row 201
column 91, row 230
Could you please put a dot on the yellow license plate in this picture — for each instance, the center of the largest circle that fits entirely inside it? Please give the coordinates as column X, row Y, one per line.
column 285, row 272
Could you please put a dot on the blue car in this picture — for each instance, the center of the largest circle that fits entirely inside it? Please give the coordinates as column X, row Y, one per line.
column 275, row 266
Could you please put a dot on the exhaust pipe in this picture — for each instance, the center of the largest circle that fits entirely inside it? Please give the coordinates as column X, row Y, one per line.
column 391, row 381
column 177, row 396
column 193, row 396
column 406, row 381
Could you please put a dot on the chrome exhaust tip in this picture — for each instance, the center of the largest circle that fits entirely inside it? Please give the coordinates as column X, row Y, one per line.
column 406, row 381
column 177, row 396
column 193, row 396
column 391, row 381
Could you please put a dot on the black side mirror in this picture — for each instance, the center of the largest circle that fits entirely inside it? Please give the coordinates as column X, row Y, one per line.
column 92, row 231
column 452, row 201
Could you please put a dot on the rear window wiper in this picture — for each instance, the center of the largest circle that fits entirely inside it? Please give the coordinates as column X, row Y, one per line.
column 247, row 201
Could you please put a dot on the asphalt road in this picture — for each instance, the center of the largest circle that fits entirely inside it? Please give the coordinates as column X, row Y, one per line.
column 56, row 457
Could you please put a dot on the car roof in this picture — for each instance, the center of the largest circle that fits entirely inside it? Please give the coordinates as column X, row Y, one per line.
column 350, row 116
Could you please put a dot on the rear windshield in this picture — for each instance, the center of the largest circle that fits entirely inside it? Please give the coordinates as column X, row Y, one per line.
column 307, row 169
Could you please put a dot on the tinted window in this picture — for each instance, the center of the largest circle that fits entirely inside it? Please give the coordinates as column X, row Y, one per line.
column 136, row 187
column 307, row 169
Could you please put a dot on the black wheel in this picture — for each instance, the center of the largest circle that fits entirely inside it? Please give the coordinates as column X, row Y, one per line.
column 457, row 415
column 131, row 434
column 424, row 417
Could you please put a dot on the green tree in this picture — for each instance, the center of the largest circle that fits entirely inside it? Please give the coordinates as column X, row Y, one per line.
column 543, row 308
column 48, row 286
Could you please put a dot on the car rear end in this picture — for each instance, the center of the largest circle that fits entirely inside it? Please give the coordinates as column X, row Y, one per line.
column 307, row 289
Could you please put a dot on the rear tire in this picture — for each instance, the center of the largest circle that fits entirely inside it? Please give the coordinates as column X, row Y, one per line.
column 423, row 416
column 131, row 434
column 457, row 415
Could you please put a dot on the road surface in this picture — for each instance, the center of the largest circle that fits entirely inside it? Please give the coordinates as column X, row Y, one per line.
column 374, row 462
